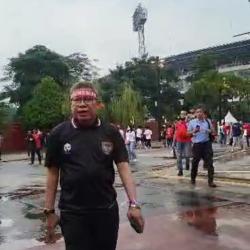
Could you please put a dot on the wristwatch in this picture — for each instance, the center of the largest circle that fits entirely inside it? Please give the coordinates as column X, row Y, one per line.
column 47, row 211
column 135, row 204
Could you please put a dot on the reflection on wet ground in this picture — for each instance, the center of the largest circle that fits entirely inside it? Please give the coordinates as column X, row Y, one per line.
column 174, row 209
column 200, row 217
column 24, row 207
column 21, row 214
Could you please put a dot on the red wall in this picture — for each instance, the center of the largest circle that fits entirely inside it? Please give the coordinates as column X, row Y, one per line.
column 14, row 138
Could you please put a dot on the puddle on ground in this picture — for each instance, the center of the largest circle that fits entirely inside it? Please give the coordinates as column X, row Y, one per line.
column 203, row 219
column 215, row 220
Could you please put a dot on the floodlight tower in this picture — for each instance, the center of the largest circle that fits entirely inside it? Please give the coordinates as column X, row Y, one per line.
column 139, row 19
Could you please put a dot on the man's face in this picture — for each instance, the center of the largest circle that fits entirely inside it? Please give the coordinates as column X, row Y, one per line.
column 183, row 115
column 84, row 105
column 199, row 113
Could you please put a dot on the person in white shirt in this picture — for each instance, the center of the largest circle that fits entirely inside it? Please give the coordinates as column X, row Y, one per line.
column 139, row 137
column 148, row 137
column 130, row 143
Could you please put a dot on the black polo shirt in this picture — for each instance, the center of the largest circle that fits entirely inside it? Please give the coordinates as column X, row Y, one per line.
column 85, row 158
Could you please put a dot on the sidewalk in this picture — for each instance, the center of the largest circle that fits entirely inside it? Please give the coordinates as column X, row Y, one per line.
column 213, row 229
column 229, row 167
column 20, row 156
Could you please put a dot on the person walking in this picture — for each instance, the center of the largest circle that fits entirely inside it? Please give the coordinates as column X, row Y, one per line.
column 29, row 142
column 170, row 135
column 236, row 134
column 182, row 143
column 222, row 134
column 200, row 129
column 82, row 152
column 36, row 146
column 131, row 143
column 148, row 137
column 246, row 135
column 139, row 137
column 1, row 145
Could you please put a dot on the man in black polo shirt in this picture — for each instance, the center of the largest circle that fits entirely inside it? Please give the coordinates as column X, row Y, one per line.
column 82, row 151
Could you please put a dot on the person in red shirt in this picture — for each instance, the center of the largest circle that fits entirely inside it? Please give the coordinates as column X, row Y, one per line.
column 182, row 142
column 227, row 130
column 37, row 146
column 246, row 129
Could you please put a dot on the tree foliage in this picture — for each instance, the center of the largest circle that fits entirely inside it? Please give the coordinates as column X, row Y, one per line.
column 153, row 83
column 28, row 69
column 128, row 108
column 44, row 110
column 215, row 89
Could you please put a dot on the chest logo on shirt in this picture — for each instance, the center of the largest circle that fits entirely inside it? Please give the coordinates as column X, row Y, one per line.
column 67, row 148
column 107, row 147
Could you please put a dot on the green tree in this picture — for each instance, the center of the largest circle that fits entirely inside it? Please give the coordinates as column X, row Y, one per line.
column 128, row 108
column 203, row 64
column 44, row 110
column 214, row 90
column 153, row 83
column 28, row 69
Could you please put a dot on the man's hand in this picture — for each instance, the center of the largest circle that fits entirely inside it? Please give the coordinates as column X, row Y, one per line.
column 136, row 219
column 52, row 221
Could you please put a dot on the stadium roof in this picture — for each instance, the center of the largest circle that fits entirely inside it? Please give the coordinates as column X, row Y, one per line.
column 232, row 53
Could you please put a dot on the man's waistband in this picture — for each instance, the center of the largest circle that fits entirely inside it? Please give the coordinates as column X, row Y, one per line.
column 202, row 142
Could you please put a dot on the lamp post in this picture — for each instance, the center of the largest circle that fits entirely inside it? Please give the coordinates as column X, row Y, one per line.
column 159, row 63
column 220, row 98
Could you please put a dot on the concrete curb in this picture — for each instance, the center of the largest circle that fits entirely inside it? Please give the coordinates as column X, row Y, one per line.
column 202, row 176
column 11, row 160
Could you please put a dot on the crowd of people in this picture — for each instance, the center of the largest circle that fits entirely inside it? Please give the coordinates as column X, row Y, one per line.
column 36, row 141
column 235, row 134
column 136, row 138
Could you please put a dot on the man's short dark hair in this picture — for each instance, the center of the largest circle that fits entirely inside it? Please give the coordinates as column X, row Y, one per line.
column 200, row 106
column 81, row 85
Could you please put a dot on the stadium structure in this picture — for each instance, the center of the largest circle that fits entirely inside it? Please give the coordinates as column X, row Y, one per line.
column 232, row 57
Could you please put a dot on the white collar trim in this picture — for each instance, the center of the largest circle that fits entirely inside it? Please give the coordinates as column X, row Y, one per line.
column 75, row 126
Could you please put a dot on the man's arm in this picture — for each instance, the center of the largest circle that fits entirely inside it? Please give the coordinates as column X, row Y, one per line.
column 50, row 196
column 190, row 130
column 51, row 187
column 127, row 180
column 134, row 212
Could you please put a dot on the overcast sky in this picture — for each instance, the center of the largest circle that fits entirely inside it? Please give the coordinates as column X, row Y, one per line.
column 103, row 28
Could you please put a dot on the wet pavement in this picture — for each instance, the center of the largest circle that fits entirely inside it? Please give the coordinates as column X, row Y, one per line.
column 178, row 216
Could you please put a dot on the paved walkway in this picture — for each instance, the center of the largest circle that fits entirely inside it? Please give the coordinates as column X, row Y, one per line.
column 228, row 166
column 214, row 228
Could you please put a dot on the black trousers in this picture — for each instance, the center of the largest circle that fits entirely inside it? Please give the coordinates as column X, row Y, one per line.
column 92, row 230
column 38, row 152
column 148, row 143
column 203, row 151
